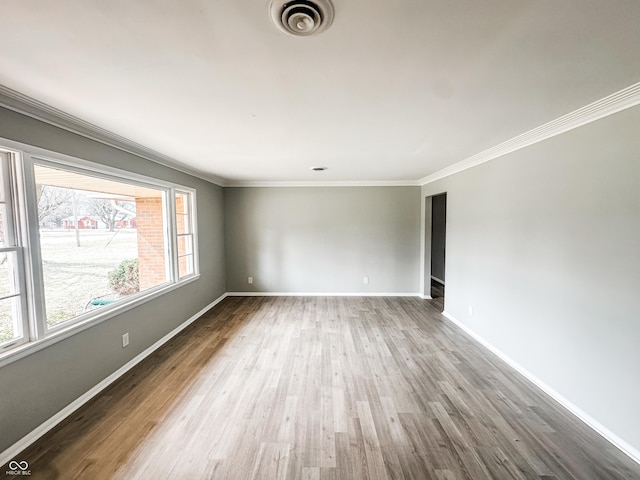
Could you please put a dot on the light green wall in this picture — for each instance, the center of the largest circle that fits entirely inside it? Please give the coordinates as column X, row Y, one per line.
column 36, row 387
column 544, row 244
column 323, row 239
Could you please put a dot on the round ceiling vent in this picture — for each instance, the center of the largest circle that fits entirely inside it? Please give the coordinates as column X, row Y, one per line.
column 302, row 18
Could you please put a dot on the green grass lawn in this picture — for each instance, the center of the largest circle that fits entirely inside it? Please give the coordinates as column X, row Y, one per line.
column 73, row 275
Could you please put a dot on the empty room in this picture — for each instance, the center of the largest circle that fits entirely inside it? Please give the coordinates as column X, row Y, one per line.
column 320, row 239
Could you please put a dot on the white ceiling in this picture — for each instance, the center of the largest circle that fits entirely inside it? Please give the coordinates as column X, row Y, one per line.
column 392, row 91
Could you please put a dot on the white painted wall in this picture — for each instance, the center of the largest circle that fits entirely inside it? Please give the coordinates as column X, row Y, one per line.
column 544, row 243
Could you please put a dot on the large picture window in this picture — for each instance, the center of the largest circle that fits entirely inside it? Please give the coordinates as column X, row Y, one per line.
column 100, row 238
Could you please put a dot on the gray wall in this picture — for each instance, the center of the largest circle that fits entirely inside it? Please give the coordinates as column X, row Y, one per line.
column 34, row 388
column 323, row 239
column 545, row 245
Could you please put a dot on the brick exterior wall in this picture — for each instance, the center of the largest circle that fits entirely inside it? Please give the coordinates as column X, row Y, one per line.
column 151, row 247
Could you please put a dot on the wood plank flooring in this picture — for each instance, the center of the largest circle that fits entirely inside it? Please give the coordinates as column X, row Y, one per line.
column 324, row 388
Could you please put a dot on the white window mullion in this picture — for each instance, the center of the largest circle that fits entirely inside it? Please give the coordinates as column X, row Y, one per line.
column 171, row 241
column 33, row 259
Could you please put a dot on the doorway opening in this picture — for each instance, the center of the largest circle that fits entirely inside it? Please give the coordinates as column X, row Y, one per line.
column 435, row 248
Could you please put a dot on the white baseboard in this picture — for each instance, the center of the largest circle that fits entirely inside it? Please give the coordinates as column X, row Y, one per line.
column 623, row 446
column 426, row 297
column 45, row 427
column 320, row 294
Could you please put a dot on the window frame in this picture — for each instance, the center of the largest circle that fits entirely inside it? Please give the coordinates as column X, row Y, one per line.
column 12, row 232
column 193, row 227
column 36, row 333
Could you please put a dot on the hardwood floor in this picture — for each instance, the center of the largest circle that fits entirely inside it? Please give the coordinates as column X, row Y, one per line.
column 324, row 388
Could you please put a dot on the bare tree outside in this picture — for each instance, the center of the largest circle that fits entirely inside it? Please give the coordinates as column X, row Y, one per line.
column 110, row 212
column 53, row 204
column 88, row 244
column 77, row 271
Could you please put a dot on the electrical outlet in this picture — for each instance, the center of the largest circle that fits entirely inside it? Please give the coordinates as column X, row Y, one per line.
column 470, row 311
column 125, row 339
column 249, row 279
column 366, row 280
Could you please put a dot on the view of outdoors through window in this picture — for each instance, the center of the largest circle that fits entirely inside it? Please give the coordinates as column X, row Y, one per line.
column 9, row 297
column 185, row 234
column 10, row 301
column 101, row 240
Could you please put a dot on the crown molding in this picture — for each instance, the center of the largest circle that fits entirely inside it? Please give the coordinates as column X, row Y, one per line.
column 30, row 107
column 328, row 183
column 614, row 103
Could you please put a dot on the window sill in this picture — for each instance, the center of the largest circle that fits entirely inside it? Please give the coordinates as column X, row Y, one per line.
column 62, row 332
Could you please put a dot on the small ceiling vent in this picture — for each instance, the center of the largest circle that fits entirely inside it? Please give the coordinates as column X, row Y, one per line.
column 302, row 18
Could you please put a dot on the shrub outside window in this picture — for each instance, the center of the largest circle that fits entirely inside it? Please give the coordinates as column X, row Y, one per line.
column 101, row 240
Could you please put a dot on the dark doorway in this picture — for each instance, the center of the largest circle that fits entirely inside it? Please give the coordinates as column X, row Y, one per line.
column 438, row 247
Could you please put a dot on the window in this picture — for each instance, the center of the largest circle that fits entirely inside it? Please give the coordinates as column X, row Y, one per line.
column 99, row 239
column 186, row 239
column 13, row 317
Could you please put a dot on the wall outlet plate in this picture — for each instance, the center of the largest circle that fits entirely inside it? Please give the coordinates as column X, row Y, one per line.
column 125, row 339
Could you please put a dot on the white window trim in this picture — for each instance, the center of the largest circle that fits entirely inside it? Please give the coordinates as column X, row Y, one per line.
column 29, row 161
column 194, row 232
column 38, row 334
column 13, row 235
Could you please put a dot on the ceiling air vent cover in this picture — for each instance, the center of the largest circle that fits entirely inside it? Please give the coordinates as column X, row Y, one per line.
column 302, row 18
